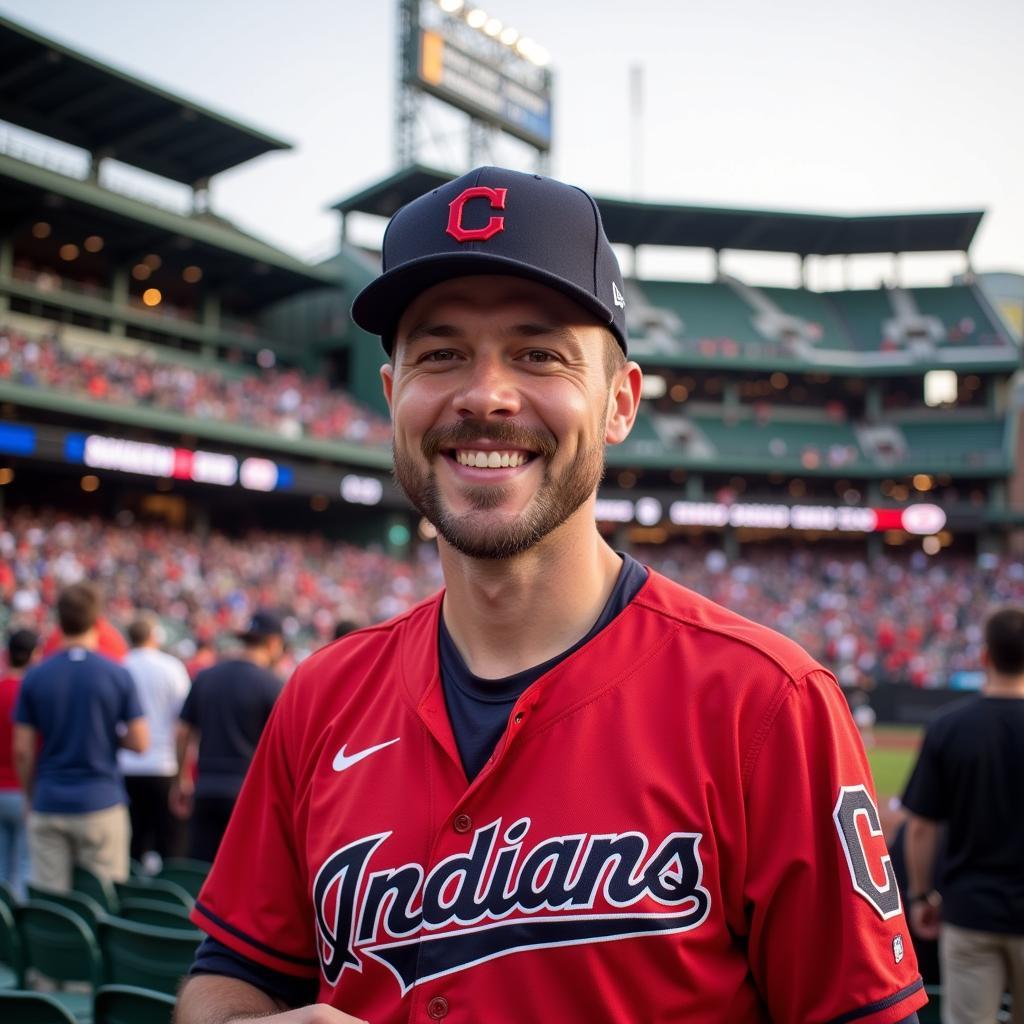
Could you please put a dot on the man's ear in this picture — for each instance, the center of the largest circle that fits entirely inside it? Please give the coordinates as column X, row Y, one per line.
column 623, row 403
column 387, row 379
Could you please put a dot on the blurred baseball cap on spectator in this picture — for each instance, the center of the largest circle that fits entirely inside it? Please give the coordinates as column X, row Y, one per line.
column 20, row 645
column 264, row 623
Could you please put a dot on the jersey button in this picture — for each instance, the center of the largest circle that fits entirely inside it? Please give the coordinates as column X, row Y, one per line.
column 462, row 823
column 437, row 1008
column 519, row 716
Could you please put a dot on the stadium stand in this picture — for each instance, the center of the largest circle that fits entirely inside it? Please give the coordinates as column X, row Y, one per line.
column 706, row 311
column 901, row 617
column 960, row 311
column 284, row 401
column 824, row 327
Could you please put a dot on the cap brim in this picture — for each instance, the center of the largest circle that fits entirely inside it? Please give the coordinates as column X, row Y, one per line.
column 380, row 305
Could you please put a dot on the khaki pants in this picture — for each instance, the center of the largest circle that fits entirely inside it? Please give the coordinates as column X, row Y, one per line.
column 98, row 841
column 977, row 968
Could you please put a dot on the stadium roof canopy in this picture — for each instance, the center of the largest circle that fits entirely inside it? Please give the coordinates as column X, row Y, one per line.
column 630, row 222
column 248, row 273
column 65, row 95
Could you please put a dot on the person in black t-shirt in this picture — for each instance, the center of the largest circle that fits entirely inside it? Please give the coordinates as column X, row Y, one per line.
column 223, row 718
column 970, row 775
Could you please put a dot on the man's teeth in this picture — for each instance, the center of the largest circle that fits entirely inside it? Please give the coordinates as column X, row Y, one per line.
column 490, row 460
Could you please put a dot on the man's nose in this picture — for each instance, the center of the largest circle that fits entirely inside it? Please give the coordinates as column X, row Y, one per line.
column 487, row 388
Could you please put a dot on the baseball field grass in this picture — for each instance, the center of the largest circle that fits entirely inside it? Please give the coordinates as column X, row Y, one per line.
column 892, row 758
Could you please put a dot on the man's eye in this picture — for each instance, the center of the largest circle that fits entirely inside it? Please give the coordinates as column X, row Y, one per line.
column 539, row 355
column 440, row 355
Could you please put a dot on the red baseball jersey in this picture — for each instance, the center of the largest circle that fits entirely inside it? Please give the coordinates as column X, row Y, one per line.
column 678, row 825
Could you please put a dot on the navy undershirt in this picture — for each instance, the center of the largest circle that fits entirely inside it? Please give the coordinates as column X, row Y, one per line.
column 479, row 710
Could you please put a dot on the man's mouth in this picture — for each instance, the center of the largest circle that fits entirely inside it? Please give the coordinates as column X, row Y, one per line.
column 478, row 458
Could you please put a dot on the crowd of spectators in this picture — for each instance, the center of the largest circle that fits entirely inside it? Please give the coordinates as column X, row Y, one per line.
column 903, row 617
column 283, row 401
column 203, row 589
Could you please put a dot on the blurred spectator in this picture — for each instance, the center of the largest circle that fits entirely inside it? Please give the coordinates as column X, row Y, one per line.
column 223, row 719
column 970, row 776
column 162, row 684
column 203, row 656
column 109, row 641
column 82, row 706
column 344, row 627
column 21, row 652
column 282, row 401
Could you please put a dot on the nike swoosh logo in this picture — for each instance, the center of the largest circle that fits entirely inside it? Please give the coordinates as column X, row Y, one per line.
column 343, row 760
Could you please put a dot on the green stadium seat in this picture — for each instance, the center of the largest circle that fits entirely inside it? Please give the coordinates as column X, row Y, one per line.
column 780, row 443
column 189, row 874
column 862, row 314
column 12, row 962
column 7, row 895
column 147, row 956
column 155, row 912
column 957, row 306
column 130, row 1004
column 100, row 889
column 954, row 444
column 153, row 889
column 707, row 310
column 816, row 310
column 84, row 906
column 23, row 1007
column 60, row 946
column 932, row 1013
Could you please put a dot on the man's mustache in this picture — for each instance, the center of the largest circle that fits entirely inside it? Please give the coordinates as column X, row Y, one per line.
column 509, row 434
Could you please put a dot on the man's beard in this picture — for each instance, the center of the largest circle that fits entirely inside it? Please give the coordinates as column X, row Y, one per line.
column 475, row 533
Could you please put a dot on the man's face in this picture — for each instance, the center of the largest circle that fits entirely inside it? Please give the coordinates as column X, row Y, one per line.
column 501, row 408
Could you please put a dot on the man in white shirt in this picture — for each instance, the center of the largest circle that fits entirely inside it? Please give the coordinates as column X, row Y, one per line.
column 162, row 684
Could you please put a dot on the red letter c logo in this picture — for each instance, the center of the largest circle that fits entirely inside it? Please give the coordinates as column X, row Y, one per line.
column 491, row 228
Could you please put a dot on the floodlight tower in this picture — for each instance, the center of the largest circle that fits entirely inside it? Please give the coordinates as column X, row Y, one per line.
column 455, row 52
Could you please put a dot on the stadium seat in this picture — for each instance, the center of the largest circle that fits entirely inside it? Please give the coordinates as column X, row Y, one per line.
column 129, row 1004
column 932, row 1013
column 59, row 945
column 136, row 869
column 84, row 906
column 189, row 874
column 11, row 957
column 155, row 912
column 153, row 889
column 143, row 955
column 100, row 889
column 21, row 1007
column 7, row 895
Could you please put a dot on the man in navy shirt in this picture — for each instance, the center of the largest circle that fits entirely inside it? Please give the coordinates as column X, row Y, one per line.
column 221, row 722
column 73, row 713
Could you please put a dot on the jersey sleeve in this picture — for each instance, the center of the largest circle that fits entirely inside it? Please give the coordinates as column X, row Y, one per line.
column 828, row 941
column 255, row 899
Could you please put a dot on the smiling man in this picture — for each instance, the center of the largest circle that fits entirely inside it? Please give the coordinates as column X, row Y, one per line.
column 565, row 788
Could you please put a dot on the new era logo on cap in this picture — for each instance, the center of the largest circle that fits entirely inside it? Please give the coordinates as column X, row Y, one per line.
column 496, row 221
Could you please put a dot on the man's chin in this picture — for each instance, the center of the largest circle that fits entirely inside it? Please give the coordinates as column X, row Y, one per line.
column 489, row 535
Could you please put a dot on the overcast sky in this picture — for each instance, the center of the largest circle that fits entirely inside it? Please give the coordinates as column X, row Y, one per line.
column 891, row 106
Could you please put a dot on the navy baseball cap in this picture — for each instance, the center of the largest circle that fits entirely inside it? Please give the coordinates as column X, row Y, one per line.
column 264, row 623
column 496, row 221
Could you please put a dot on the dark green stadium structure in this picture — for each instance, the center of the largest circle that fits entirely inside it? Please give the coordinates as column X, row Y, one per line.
column 757, row 396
